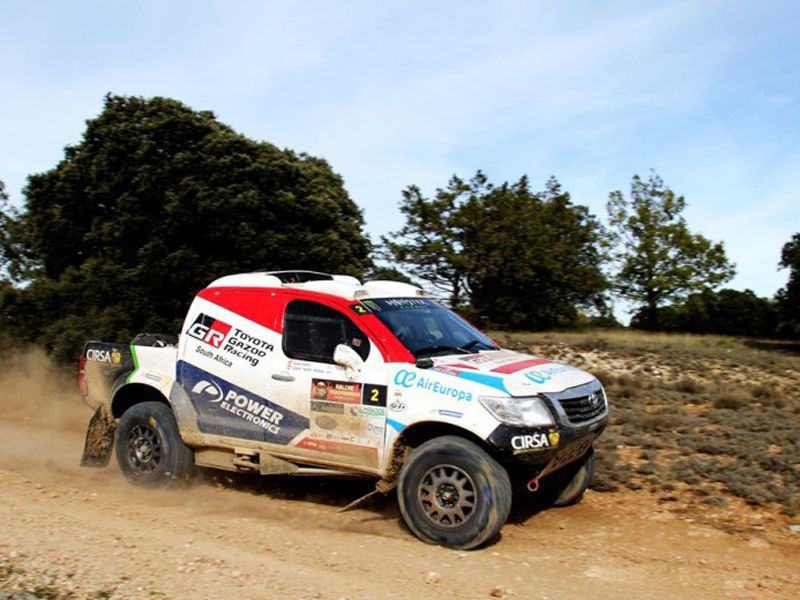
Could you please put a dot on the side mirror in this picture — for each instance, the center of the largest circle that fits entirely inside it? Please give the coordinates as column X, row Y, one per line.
column 348, row 358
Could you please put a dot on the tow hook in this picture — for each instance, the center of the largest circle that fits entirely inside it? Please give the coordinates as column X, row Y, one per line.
column 533, row 485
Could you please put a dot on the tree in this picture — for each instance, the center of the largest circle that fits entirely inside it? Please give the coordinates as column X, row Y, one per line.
column 521, row 259
column 789, row 297
column 658, row 259
column 727, row 312
column 155, row 202
column 430, row 244
column 534, row 257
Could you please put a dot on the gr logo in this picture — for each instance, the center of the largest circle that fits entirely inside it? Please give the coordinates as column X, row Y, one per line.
column 405, row 378
column 208, row 390
column 209, row 330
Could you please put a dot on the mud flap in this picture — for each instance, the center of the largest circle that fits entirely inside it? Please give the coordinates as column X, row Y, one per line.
column 99, row 439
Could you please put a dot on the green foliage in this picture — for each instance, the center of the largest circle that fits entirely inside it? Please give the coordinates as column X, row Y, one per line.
column 388, row 274
column 658, row 258
column 534, row 257
column 727, row 312
column 522, row 259
column 431, row 243
column 155, row 202
column 789, row 296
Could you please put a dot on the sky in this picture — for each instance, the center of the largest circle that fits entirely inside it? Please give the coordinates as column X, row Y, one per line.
column 398, row 93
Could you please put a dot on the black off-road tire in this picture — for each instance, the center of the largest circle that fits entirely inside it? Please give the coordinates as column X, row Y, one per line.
column 149, row 448
column 452, row 493
column 567, row 488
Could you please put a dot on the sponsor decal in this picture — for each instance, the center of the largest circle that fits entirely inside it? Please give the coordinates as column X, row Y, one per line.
column 360, row 309
column 325, row 422
column 406, row 303
column 360, row 454
column 213, row 356
column 499, row 357
column 451, row 413
column 110, row 357
column 545, row 374
column 409, row 379
column 207, row 390
column 333, row 408
column 209, row 330
column 367, row 411
column 152, row 377
column 532, row 442
column 372, row 305
column 448, row 369
column 374, row 395
column 232, row 340
column 519, row 365
column 376, row 428
column 398, row 406
column 227, row 409
column 336, row 391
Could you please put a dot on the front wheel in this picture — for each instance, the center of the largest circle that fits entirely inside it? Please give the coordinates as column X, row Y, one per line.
column 149, row 448
column 567, row 487
column 451, row 492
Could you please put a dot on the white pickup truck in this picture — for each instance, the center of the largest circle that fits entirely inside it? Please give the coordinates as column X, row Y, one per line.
column 296, row 372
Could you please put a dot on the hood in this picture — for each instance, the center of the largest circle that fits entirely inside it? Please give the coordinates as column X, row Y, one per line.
column 512, row 373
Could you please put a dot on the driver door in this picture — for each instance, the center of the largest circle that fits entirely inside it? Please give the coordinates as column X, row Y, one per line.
column 347, row 414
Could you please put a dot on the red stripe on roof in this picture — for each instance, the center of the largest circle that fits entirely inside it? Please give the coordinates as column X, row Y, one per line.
column 518, row 366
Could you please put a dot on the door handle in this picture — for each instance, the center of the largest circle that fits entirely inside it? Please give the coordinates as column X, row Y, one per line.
column 283, row 377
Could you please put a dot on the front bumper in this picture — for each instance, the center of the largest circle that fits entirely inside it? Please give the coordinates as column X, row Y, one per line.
column 580, row 415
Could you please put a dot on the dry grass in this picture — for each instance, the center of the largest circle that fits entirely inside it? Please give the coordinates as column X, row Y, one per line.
column 763, row 353
column 711, row 418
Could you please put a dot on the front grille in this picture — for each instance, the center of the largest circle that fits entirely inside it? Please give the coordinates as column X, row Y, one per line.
column 582, row 403
column 582, row 408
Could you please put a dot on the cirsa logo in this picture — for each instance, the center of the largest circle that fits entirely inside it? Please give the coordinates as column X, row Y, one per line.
column 405, row 378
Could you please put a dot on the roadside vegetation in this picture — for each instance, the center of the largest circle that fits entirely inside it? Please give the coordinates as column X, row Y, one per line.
column 705, row 422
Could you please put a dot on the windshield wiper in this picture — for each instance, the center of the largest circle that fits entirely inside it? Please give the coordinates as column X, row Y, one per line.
column 472, row 343
column 434, row 349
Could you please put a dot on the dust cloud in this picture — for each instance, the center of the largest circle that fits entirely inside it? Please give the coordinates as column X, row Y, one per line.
column 37, row 392
column 43, row 423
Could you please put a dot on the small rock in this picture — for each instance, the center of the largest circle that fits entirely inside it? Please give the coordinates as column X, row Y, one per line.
column 794, row 528
column 496, row 592
column 432, row 578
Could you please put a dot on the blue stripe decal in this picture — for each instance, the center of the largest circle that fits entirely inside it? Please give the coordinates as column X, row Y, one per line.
column 396, row 424
column 490, row 380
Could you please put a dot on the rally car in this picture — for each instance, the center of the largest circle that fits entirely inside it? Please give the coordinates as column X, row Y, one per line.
column 296, row 372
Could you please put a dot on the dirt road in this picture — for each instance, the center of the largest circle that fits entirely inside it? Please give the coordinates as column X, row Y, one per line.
column 71, row 532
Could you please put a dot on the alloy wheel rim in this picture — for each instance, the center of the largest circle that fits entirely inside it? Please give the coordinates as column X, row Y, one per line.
column 144, row 449
column 447, row 496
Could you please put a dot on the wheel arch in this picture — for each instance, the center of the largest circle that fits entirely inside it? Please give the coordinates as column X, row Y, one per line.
column 134, row 393
column 417, row 434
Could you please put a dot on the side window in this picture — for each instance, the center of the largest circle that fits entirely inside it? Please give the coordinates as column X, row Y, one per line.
column 312, row 331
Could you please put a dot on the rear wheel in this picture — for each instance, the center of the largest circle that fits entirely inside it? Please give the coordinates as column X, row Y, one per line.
column 149, row 448
column 451, row 492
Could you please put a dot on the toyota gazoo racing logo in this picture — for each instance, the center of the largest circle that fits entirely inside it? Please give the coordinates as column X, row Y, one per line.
column 409, row 379
column 208, row 390
column 209, row 330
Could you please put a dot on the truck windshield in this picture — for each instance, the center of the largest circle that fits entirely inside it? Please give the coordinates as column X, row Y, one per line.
column 427, row 328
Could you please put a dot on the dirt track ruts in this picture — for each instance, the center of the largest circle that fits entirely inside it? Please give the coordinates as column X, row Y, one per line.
column 67, row 530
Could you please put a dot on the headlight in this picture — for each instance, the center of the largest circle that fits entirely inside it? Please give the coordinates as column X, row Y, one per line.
column 528, row 411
